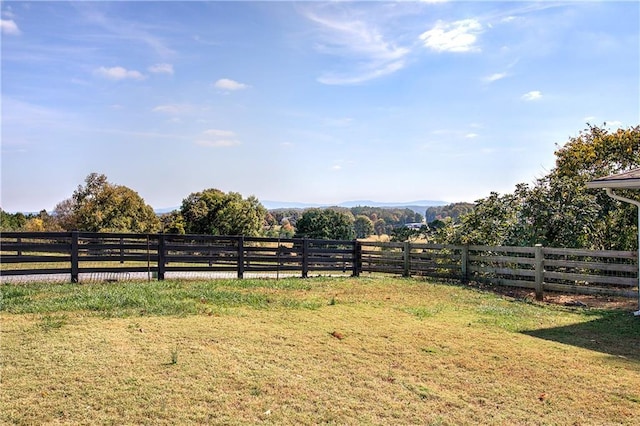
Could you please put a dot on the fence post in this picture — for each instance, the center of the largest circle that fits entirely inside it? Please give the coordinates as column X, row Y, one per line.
column 407, row 259
column 305, row 258
column 161, row 257
column 357, row 258
column 464, row 263
column 241, row 257
column 539, row 271
column 75, row 264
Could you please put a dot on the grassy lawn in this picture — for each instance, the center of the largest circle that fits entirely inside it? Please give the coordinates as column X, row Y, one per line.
column 320, row 350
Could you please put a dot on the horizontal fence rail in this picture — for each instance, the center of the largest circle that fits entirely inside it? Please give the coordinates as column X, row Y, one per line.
column 82, row 255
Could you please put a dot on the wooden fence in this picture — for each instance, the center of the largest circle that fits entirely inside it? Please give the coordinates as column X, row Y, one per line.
column 539, row 268
column 77, row 253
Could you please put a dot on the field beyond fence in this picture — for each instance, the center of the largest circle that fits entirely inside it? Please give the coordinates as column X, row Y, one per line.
column 77, row 256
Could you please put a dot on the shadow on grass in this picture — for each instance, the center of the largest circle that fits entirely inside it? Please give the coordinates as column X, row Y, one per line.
column 615, row 333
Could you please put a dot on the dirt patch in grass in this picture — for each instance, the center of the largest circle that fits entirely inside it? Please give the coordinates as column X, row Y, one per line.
column 563, row 299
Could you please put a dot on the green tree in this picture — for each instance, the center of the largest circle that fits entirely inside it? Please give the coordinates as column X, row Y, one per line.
column 393, row 216
column 594, row 153
column 442, row 231
column 597, row 152
column 325, row 224
column 494, row 221
column 454, row 211
column 363, row 226
column 100, row 206
column 380, row 226
column 404, row 233
column 213, row 212
column 12, row 222
column 172, row 223
column 558, row 210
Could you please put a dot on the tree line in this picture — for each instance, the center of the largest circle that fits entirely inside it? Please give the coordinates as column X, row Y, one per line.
column 98, row 205
column 556, row 210
column 365, row 220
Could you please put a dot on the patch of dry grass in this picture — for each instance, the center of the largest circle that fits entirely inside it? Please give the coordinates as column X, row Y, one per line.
column 378, row 351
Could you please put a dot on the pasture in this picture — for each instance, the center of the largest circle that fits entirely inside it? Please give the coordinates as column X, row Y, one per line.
column 368, row 350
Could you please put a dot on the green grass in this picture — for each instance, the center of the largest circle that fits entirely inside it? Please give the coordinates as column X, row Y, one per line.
column 322, row 350
column 122, row 299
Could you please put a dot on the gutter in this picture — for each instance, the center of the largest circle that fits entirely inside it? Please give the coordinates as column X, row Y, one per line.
column 615, row 183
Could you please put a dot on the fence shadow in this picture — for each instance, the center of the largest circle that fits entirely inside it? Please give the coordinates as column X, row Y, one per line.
column 616, row 333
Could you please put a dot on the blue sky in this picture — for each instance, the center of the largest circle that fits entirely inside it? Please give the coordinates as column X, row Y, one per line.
column 306, row 101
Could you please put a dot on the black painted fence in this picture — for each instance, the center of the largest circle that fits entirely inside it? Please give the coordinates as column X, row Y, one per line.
column 75, row 253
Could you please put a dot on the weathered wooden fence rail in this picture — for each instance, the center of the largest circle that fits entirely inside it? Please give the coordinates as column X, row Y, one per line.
column 538, row 268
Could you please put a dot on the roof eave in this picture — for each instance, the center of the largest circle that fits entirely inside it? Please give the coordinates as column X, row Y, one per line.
column 614, row 183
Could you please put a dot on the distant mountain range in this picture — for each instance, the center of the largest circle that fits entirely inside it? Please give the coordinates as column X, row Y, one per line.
column 418, row 206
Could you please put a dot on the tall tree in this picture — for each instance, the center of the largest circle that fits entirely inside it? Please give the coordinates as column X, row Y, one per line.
column 594, row 153
column 380, row 226
column 213, row 212
column 598, row 152
column 363, row 226
column 326, row 224
column 65, row 214
column 100, row 206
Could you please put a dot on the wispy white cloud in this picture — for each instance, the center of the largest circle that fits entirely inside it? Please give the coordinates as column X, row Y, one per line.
column 336, row 79
column 495, row 77
column 161, row 69
column 9, row 27
column 135, row 32
column 216, row 138
column 349, row 36
column 230, row 85
column 119, row 73
column 458, row 36
column 471, row 135
column 532, row 96
column 367, row 52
